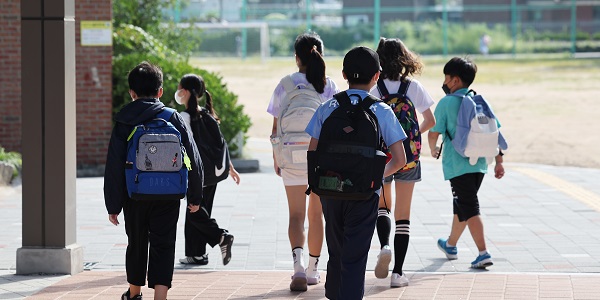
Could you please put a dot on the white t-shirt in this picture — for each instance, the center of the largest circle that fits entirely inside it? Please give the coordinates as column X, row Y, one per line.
column 416, row 93
column 299, row 78
column 187, row 119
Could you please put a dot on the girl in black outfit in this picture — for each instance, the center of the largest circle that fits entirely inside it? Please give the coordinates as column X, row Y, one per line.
column 200, row 228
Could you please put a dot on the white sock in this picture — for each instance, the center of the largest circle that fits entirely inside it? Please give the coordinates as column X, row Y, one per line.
column 313, row 264
column 448, row 244
column 298, row 256
column 483, row 252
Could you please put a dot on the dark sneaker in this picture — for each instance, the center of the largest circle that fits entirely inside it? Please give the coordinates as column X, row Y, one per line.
column 195, row 260
column 126, row 296
column 226, row 247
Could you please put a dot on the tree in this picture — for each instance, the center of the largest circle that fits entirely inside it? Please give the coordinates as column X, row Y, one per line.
column 141, row 33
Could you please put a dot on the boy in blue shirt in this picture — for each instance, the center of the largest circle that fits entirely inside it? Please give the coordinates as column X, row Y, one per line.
column 350, row 224
column 465, row 179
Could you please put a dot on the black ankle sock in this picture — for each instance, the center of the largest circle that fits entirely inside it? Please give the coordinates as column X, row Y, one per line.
column 384, row 226
column 401, row 238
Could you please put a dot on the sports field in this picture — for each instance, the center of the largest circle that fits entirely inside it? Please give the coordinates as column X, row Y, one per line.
column 549, row 108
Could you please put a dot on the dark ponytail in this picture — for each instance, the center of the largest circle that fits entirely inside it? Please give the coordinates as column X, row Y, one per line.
column 309, row 49
column 197, row 88
column 209, row 105
column 397, row 61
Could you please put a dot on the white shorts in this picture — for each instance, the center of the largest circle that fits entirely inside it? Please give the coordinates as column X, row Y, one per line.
column 294, row 177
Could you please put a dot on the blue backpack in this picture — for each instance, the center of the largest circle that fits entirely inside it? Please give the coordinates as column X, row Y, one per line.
column 157, row 164
column 477, row 131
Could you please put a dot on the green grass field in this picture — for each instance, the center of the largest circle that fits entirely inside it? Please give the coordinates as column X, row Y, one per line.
column 548, row 107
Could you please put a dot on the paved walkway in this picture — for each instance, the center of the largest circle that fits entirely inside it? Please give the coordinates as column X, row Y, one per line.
column 542, row 225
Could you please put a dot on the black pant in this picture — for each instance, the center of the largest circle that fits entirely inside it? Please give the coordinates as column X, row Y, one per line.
column 153, row 222
column 464, row 192
column 349, row 227
column 200, row 228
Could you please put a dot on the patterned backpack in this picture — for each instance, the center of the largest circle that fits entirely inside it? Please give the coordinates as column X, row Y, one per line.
column 157, row 164
column 407, row 116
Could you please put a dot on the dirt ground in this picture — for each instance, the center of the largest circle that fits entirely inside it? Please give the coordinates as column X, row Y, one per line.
column 548, row 108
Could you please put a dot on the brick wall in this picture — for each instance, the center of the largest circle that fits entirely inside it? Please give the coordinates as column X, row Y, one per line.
column 10, row 75
column 94, row 83
column 94, row 88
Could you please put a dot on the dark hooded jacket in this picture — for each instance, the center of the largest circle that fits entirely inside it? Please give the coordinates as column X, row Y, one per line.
column 134, row 113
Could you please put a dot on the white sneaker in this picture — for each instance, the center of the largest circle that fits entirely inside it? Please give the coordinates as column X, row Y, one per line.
column 398, row 280
column 313, row 277
column 383, row 262
column 299, row 282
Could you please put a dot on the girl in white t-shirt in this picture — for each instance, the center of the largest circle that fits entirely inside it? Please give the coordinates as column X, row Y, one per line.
column 397, row 63
column 311, row 71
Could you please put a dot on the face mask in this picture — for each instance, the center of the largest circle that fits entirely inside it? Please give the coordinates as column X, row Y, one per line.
column 446, row 89
column 178, row 98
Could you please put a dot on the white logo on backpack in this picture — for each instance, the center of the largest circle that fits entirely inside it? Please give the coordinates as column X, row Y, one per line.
column 219, row 172
column 477, row 133
column 296, row 110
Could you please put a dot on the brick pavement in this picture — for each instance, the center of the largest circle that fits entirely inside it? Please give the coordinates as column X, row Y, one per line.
column 542, row 227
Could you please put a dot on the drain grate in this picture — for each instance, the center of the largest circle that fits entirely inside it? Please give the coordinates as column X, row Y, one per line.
column 87, row 266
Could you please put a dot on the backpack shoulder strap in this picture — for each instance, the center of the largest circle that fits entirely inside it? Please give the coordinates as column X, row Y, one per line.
column 290, row 87
column 203, row 111
column 166, row 113
column 342, row 98
column 403, row 89
column 470, row 93
column 368, row 101
column 366, row 105
column 288, row 84
column 383, row 91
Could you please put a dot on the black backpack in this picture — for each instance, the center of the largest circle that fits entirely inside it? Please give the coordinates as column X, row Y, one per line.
column 407, row 116
column 212, row 146
column 348, row 163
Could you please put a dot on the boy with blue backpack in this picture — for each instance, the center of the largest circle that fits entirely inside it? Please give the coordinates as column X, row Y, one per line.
column 151, row 156
column 468, row 122
column 346, row 168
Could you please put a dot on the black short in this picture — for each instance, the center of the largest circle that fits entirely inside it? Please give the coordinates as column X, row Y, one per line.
column 464, row 192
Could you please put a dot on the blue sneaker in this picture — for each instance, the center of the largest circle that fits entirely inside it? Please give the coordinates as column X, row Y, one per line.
column 451, row 252
column 482, row 261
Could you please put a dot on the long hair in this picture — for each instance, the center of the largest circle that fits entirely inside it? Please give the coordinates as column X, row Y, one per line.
column 195, row 84
column 397, row 61
column 309, row 49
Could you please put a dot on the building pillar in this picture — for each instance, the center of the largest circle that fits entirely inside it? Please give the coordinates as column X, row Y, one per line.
column 48, row 138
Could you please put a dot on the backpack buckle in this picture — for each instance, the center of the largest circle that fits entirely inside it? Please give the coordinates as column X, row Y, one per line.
column 274, row 140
